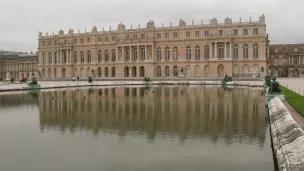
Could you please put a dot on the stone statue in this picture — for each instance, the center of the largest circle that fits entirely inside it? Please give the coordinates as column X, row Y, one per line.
column 120, row 27
column 150, row 24
column 227, row 78
column 262, row 19
column 228, row 21
column 274, row 86
column 182, row 23
column 71, row 31
column 213, row 21
column 61, row 32
column 39, row 34
column 94, row 29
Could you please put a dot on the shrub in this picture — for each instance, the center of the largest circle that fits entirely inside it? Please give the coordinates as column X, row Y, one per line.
column 90, row 79
column 12, row 80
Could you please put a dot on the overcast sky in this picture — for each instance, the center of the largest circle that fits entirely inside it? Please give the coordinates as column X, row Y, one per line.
column 20, row 20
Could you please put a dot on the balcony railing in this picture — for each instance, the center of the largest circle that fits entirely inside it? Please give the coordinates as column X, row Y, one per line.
column 286, row 66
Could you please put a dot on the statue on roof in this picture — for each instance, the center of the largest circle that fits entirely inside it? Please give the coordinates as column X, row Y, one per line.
column 39, row 34
column 228, row 21
column 213, row 21
column 150, row 24
column 262, row 19
column 94, row 29
column 120, row 27
column 71, row 31
column 182, row 22
column 61, row 32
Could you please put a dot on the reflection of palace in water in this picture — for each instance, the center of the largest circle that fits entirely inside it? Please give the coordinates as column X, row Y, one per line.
column 183, row 112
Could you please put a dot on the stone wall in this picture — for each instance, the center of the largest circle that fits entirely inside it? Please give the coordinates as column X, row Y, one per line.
column 287, row 136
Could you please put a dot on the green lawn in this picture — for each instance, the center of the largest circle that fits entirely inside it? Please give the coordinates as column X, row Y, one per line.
column 294, row 99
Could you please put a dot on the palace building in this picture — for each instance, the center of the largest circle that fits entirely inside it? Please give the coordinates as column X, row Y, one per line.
column 198, row 50
column 287, row 60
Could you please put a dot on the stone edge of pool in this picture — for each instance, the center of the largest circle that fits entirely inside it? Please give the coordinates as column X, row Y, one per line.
column 48, row 85
column 287, row 137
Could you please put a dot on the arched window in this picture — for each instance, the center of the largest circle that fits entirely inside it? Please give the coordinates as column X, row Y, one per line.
column 197, row 52
column 188, row 70
column 235, row 51
column 167, row 53
column 113, row 72
column 245, row 51
column 245, row 70
column 141, row 71
column 134, row 73
column 99, row 72
column 127, row 72
column 175, row 71
column 197, row 71
column 284, row 61
column 159, row 54
column 55, row 72
column 175, row 53
column 127, row 56
column 167, row 71
column 158, row 71
column 221, row 51
column 235, row 72
column 207, row 52
column 106, row 72
column 50, row 58
column 81, row 57
column 255, row 51
column 143, row 54
column 99, row 56
column 135, row 51
column 65, row 57
column 75, row 57
column 113, row 55
column 43, row 58
column 89, row 56
column 55, row 57
column 188, row 53
column 107, row 55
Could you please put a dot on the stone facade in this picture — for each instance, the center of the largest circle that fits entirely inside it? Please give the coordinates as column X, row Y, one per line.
column 203, row 50
column 18, row 65
column 287, row 60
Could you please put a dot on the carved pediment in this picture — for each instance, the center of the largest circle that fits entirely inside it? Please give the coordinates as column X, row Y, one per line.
column 150, row 24
column 121, row 27
column 228, row 21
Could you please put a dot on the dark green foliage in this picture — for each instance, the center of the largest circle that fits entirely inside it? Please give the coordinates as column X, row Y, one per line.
column 147, row 79
column 294, row 99
column 90, row 79
column 227, row 78
column 34, row 81
column 12, row 80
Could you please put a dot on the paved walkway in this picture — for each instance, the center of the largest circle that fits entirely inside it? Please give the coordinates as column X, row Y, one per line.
column 294, row 84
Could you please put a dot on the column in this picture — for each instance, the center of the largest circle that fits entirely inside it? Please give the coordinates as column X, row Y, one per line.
column 117, row 54
column 146, row 50
column 225, row 50
column 130, row 52
column 210, row 51
column 230, row 53
column 215, row 50
column 152, row 52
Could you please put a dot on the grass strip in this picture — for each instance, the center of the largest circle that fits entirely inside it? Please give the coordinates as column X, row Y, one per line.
column 294, row 99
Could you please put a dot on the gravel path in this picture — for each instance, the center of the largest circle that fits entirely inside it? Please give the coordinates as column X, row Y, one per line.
column 296, row 115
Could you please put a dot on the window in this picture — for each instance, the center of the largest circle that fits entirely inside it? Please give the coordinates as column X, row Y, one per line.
column 82, row 40
column 284, row 61
column 235, row 32
column 245, row 51
column 135, row 53
column 158, row 35
column 175, row 71
column 221, row 51
column 167, row 71
column 99, row 39
column 158, row 71
column 43, row 43
column 174, row 35
column 188, row 53
column 106, row 72
column 55, row 42
column 75, row 57
column 55, row 57
column 175, row 53
column 113, row 72
column 221, row 32
column 197, row 52
column 255, row 51
column 135, row 37
column 106, row 55
column 113, row 55
column 206, row 33
column 99, row 56
column 75, row 41
column 50, row 58
column 159, row 54
column 167, row 35
column 89, row 57
column 127, row 37
column 197, row 34
column 167, row 54
column 50, row 43
column 142, row 36
column 106, row 39
column 143, row 54
column 235, row 51
column 245, row 31
column 65, row 42
column 188, row 34
column 255, row 31
column 88, row 40
column 207, row 55
column 113, row 38
column 81, row 57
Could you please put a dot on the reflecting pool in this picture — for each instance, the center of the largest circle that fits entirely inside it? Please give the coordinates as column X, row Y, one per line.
column 161, row 128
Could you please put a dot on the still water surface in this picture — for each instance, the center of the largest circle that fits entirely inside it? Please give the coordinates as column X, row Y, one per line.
column 135, row 129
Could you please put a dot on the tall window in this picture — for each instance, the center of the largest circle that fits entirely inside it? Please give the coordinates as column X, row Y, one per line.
column 128, row 51
column 142, row 36
column 106, row 71
column 255, row 51
column 188, row 53
column 296, row 60
column 106, row 39
column 206, row 33
column 158, row 35
column 55, row 57
column 75, row 41
column 235, row 51
column 197, row 34
column 167, row 35
column 99, row 39
column 99, row 56
column 65, row 57
column 167, row 54
column 245, row 31
column 43, row 58
column 167, row 71
column 207, row 55
column 135, row 37
column 143, row 53
column 113, row 72
column 158, row 71
column 89, row 56
column 50, row 58
column 75, row 57
column 89, row 40
column 113, row 38
column 135, row 53
column 221, row 51
column 106, row 55
column 255, row 31
column 188, row 34
column 82, row 40
column 113, row 55
column 175, row 71
column 175, row 35
column 221, row 32
column 159, row 56
column 175, row 53
column 245, row 51
column 197, row 52
column 81, row 56
column 235, row 32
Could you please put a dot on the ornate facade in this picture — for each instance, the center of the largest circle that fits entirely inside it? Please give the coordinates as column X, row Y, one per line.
column 287, row 60
column 18, row 65
column 203, row 50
